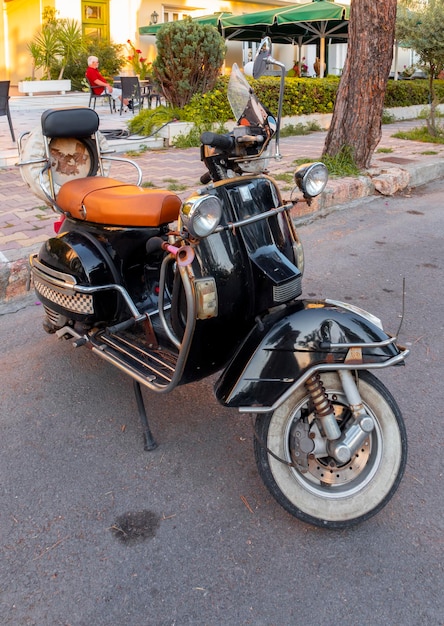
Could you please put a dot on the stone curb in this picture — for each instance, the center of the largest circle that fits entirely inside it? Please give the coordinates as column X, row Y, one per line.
column 14, row 279
column 15, row 275
column 379, row 181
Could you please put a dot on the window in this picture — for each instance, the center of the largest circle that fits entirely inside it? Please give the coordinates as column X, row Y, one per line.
column 95, row 19
column 172, row 14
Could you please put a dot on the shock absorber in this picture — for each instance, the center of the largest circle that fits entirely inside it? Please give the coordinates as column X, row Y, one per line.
column 323, row 407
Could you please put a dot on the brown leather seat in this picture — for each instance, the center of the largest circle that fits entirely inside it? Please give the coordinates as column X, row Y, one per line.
column 105, row 200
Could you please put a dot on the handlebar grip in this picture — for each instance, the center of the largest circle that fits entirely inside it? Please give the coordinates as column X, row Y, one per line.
column 205, row 178
column 224, row 142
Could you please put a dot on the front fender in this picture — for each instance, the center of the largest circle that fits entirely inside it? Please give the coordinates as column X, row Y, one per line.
column 292, row 342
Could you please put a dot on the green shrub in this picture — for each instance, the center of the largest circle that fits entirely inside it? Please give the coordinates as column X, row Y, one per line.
column 150, row 120
column 189, row 58
column 111, row 60
column 301, row 97
column 210, row 107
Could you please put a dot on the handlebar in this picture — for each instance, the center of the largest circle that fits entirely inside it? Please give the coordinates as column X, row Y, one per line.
column 224, row 142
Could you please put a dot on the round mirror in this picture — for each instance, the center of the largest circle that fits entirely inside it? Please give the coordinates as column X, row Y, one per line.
column 262, row 56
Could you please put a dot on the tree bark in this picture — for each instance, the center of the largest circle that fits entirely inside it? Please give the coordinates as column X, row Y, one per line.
column 357, row 114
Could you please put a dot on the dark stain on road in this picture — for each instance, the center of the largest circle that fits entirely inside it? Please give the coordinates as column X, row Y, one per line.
column 136, row 526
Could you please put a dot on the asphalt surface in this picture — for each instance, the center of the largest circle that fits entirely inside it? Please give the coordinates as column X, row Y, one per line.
column 213, row 547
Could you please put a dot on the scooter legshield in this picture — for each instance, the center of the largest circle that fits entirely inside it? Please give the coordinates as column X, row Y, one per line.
column 286, row 344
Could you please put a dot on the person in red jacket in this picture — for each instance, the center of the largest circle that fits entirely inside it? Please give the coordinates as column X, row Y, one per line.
column 99, row 83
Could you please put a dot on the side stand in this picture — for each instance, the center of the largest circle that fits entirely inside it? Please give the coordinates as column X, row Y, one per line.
column 150, row 442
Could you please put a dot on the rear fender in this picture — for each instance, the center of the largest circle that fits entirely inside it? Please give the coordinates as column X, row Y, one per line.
column 287, row 346
column 76, row 258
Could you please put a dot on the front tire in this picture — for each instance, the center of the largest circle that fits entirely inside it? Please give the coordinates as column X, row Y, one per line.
column 327, row 494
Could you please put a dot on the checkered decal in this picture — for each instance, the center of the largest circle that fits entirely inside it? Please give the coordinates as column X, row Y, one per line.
column 78, row 302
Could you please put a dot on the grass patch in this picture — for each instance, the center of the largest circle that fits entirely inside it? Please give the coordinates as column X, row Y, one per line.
column 421, row 134
column 425, row 113
column 286, row 177
column 192, row 138
column 134, row 153
column 174, row 185
column 299, row 129
column 188, row 140
column 342, row 164
column 148, row 184
column 388, row 118
column 429, row 152
column 46, row 211
column 385, row 150
column 302, row 160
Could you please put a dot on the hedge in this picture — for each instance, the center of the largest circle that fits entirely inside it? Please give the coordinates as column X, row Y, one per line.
column 302, row 96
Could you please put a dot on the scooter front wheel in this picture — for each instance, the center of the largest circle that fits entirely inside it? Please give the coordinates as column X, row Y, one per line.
column 318, row 490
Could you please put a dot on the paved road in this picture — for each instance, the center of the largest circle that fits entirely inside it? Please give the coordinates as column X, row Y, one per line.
column 217, row 550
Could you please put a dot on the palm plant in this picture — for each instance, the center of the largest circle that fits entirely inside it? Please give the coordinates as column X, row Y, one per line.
column 71, row 42
column 59, row 43
column 44, row 49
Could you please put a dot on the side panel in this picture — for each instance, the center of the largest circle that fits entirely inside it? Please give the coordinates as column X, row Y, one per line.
column 286, row 343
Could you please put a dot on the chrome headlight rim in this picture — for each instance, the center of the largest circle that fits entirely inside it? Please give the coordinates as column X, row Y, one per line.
column 201, row 215
column 311, row 178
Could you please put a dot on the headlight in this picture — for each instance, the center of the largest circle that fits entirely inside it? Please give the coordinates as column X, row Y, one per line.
column 311, row 179
column 201, row 215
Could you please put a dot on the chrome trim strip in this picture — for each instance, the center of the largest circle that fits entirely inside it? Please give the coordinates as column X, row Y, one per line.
column 123, row 292
column 326, row 367
column 254, row 218
column 42, row 271
column 370, row 344
column 54, row 278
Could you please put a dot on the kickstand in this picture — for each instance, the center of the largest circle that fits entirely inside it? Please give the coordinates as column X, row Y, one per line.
column 150, row 442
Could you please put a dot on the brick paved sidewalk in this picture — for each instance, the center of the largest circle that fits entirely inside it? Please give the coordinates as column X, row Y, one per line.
column 25, row 222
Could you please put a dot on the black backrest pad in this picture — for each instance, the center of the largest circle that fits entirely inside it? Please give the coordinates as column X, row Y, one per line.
column 73, row 122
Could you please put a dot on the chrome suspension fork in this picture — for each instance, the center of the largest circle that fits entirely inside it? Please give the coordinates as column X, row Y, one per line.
column 341, row 446
column 323, row 407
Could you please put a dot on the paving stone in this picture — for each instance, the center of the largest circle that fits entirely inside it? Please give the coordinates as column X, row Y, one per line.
column 26, row 222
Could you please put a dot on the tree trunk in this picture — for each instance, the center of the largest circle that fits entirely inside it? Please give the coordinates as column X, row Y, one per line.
column 356, row 121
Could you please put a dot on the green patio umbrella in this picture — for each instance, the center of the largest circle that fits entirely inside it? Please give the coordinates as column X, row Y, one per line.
column 298, row 24
column 211, row 20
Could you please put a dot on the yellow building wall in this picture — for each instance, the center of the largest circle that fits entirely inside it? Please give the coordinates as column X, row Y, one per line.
column 21, row 19
column 4, row 57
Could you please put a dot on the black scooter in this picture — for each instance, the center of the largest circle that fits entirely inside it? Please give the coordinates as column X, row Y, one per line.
column 173, row 292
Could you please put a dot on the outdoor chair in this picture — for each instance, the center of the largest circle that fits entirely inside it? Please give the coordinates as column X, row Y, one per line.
column 106, row 96
column 155, row 95
column 4, row 104
column 131, row 91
